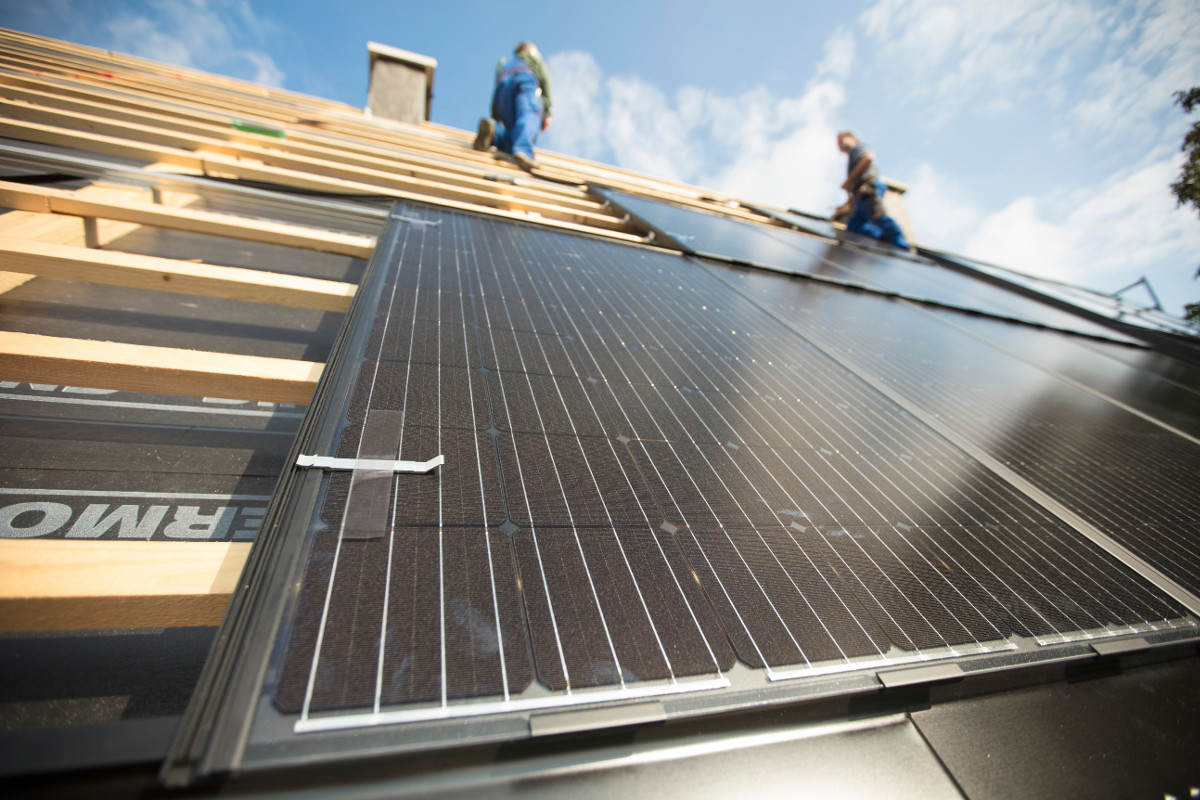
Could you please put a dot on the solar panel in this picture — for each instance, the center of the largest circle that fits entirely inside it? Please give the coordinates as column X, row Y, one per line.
column 802, row 221
column 1164, row 389
column 662, row 479
column 1079, row 426
column 871, row 264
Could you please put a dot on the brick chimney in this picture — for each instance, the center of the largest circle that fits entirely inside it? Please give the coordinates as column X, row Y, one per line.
column 401, row 84
column 893, row 204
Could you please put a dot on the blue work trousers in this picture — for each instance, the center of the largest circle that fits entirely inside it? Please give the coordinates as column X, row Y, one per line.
column 520, row 109
column 884, row 227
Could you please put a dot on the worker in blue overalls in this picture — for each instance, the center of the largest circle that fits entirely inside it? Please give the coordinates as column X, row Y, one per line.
column 866, row 194
column 520, row 105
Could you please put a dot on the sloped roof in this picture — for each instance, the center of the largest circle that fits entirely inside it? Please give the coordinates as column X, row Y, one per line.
column 689, row 454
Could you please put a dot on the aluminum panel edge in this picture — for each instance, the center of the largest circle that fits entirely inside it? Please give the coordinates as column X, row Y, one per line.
column 213, row 731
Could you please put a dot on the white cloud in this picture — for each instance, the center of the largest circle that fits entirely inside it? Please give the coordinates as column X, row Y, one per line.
column 1154, row 55
column 266, row 71
column 946, row 50
column 1104, row 70
column 1132, row 227
column 788, row 156
column 756, row 146
column 942, row 215
column 1103, row 236
column 577, row 126
column 840, row 50
column 646, row 134
column 1101, row 76
column 1018, row 235
column 223, row 36
column 1104, row 239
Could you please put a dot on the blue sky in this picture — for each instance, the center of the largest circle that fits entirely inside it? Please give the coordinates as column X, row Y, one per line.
column 1038, row 135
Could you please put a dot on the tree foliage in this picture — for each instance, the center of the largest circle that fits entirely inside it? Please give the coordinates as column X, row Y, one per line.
column 1187, row 188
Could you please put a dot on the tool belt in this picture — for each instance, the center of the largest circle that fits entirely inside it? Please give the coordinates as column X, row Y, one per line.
column 513, row 70
column 866, row 192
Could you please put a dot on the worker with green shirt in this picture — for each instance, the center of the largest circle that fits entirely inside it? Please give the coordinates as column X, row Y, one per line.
column 520, row 105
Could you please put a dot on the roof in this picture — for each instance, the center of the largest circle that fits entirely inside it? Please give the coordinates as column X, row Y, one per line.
column 592, row 450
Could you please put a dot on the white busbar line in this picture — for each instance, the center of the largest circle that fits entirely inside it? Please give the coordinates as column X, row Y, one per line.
column 455, row 711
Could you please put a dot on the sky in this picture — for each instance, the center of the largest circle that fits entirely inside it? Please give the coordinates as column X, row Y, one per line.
column 1041, row 136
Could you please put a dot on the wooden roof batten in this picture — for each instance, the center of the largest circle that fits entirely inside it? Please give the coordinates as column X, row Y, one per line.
column 83, row 104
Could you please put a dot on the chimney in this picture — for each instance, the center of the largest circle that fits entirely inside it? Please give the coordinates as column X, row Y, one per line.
column 401, row 84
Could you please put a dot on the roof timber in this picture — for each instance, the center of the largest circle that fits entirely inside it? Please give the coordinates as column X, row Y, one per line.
column 32, row 222
column 378, row 173
column 163, row 370
column 169, row 92
column 111, row 64
column 78, row 204
column 466, row 167
column 148, row 272
column 445, row 144
column 298, row 173
column 69, row 585
column 212, row 128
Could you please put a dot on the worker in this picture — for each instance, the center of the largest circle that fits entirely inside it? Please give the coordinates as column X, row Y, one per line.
column 520, row 105
column 865, row 205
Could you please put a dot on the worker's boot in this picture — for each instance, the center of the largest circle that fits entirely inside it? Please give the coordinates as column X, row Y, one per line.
column 487, row 132
column 525, row 162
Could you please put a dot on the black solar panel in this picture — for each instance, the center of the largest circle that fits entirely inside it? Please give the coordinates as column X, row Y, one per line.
column 872, row 265
column 801, row 221
column 1081, row 427
column 1133, row 376
column 664, row 478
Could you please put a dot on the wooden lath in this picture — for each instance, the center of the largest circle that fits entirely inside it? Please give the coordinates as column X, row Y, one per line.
column 40, row 241
column 50, row 585
column 168, row 87
column 452, row 175
column 55, row 585
column 71, row 585
column 80, row 204
column 157, row 370
column 106, row 63
column 298, row 136
column 34, row 224
column 146, row 144
column 148, row 272
column 215, row 133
